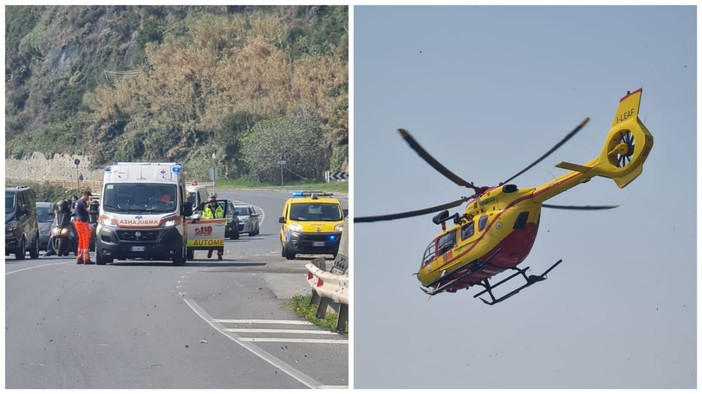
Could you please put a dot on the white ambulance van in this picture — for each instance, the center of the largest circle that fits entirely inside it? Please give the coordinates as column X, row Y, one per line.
column 142, row 213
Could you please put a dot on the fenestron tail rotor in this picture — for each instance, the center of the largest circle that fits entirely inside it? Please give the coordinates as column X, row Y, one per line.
column 435, row 163
column 558, row 145
column 621, row 154
column 408, row 214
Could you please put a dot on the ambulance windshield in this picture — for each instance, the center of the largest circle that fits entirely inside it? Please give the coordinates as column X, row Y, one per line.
column 139, row 197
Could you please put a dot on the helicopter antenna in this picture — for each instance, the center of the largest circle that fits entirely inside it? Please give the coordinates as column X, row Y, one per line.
column 435, row 163
column 558, row 145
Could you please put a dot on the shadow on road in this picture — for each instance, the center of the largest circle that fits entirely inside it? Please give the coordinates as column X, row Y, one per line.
column 188, row 264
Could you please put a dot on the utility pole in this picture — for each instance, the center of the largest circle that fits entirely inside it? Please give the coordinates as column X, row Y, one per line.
column 78, row 177
column 282, row 163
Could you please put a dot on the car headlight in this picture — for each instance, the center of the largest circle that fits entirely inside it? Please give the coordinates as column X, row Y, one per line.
column 58, row 231
column 12, row 226
column 296, row 228
column 169, row 223
column 338, row 228
column 107, row 222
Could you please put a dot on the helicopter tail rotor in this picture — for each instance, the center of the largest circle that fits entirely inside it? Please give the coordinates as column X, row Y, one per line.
column 626, row 147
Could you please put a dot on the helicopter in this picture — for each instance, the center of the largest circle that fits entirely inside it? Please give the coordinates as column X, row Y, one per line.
column 499, row 225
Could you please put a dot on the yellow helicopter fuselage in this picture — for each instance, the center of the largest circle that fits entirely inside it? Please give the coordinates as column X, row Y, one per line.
column 499, row 227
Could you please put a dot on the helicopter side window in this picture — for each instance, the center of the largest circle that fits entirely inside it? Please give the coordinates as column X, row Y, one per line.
column 467, row 230
column 429, row 253
column 482, row 222
column 521, row 220
column 446, row 242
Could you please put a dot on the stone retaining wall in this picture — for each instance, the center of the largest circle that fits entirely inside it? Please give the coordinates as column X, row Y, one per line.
column 60, row 170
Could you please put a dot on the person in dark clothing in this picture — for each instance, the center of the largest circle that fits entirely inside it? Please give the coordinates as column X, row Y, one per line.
column 82, row 223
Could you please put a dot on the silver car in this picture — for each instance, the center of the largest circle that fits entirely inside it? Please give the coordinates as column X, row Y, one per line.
column 248, row 219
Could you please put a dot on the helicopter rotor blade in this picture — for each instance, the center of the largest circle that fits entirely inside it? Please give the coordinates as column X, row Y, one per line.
column 409, row 214
column 580, row 207
column 434, row 163
column 558, row 145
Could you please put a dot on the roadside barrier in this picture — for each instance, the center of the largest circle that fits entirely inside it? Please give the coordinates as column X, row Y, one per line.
column 331, row 288
column 328, row 288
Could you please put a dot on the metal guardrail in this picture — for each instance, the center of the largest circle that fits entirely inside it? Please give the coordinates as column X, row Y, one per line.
column 328, row 288
column 331, row 288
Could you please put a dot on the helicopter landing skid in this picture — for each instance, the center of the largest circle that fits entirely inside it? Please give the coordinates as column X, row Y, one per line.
column 530, row 280
column 477, row 266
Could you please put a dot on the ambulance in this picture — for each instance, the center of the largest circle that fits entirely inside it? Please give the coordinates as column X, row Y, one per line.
column 142, row 213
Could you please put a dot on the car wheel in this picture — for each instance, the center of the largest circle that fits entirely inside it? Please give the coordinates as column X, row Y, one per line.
column 290, row 255
column 19, row 252
column 102, row 260
column 34, row 251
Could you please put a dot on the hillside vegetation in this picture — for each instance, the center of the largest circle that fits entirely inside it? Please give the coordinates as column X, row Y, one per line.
column 235, row 86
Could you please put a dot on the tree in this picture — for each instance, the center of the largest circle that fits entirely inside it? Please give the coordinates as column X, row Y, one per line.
column 297, row 136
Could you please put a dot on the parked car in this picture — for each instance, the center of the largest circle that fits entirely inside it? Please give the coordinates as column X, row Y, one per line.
column 232, row 229
column 248, row 219
column 45, row 217
column 21, row 226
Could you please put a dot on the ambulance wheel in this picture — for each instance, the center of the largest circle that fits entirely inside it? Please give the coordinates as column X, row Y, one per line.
column 102, row 260
column 181, row 257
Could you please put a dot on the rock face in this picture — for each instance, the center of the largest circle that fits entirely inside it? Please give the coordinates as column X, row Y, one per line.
column 60, row 169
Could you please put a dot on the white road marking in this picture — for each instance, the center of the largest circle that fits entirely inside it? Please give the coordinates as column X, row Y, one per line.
column 259, row 321
column 264, row 355
column 281, row 331
column 37, row 266
column 297, row 340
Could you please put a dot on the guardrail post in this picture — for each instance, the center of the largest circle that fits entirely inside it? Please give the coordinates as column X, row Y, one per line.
column 343, row 318
column 322, row 308
column 316, row 298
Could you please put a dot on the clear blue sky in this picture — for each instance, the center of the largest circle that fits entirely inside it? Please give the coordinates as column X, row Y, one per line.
column 487, row 90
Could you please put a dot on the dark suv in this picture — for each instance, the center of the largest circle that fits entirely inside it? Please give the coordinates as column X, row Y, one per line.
column 21, row 226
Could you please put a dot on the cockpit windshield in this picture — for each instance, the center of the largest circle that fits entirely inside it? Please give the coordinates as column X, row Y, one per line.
column 429, row 253
column 139, row 197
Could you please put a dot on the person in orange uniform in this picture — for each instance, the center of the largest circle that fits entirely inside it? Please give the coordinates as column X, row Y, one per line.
column 82, row 224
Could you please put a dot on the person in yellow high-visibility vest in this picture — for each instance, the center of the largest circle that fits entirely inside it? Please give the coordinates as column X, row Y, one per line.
column 213, row 211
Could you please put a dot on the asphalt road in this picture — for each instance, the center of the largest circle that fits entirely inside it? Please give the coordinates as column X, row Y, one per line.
column 207, row 324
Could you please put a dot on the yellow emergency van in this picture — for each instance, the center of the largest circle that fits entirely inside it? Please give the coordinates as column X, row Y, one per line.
column 311, row 223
